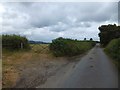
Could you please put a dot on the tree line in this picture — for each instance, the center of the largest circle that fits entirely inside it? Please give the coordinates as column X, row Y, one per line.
column 108, row 32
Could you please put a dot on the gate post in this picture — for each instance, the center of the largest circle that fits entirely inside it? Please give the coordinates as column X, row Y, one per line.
column 21, row 46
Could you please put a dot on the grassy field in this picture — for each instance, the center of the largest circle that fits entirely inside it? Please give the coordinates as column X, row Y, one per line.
column 12, row 60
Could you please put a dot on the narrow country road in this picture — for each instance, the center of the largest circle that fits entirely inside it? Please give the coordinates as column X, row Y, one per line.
column 94, row 70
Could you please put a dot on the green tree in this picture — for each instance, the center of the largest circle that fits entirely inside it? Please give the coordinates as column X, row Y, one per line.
column 108, row 32
column 84, row 39
column 91, row 39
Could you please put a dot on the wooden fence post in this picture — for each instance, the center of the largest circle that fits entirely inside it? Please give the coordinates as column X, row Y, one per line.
column 21, row 45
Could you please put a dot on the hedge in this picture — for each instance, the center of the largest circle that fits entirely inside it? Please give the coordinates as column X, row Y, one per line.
column 14, row 42
column 69, row 47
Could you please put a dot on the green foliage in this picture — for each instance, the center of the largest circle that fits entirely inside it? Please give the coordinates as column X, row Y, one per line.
column 113, row 48
column 108, row 32
column 13, row 42
column 91, row 39
column 84, row 39
column 69, row 47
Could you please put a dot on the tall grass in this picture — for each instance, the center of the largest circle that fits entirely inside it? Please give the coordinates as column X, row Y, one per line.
column 113, row 48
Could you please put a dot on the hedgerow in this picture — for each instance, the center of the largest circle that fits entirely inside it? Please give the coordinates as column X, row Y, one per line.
column 14, row 42
column 69, row 47
column 113, row 48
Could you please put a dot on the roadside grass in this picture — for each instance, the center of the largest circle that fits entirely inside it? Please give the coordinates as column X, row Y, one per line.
column 13, row 59
column 113, row 50
column 114, row 60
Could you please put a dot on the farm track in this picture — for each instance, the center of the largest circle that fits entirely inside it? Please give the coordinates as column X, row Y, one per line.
column 94, row 70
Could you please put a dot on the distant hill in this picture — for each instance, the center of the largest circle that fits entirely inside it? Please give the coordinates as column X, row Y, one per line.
column 37, row 42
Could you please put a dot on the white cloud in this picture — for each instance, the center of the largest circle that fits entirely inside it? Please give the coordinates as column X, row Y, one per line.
column 47, row 21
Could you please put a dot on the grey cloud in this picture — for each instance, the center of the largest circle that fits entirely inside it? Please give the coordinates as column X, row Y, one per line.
column 61, row 19
column 26, row 4
column 45, row 14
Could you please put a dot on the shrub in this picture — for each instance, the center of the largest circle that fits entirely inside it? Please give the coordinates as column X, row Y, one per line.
column 108, row 32
column 69, row 47
column 113, row 48
column 13, row 42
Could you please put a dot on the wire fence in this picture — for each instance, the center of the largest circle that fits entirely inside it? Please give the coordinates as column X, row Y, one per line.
column 37, row 48
column 8, row 46
column 40, row 48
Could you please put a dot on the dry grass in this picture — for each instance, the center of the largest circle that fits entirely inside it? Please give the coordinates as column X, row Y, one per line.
column 40, row 48
column 12, row 61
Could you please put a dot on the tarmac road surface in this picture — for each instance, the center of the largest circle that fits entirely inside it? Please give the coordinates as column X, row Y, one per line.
column 94, row 70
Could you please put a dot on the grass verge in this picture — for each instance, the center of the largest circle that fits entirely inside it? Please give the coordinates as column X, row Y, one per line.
column 113, row 50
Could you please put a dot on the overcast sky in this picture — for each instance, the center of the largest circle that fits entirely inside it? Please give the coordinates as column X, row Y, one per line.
column 47, row 21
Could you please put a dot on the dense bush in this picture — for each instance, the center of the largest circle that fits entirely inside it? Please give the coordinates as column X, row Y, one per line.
column 69, row 47
column 113, row 48
column 13, row 42
column 108, row 32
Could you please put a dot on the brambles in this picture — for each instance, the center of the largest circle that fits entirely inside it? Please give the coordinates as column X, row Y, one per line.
column 69, row 47
column 14, row 42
